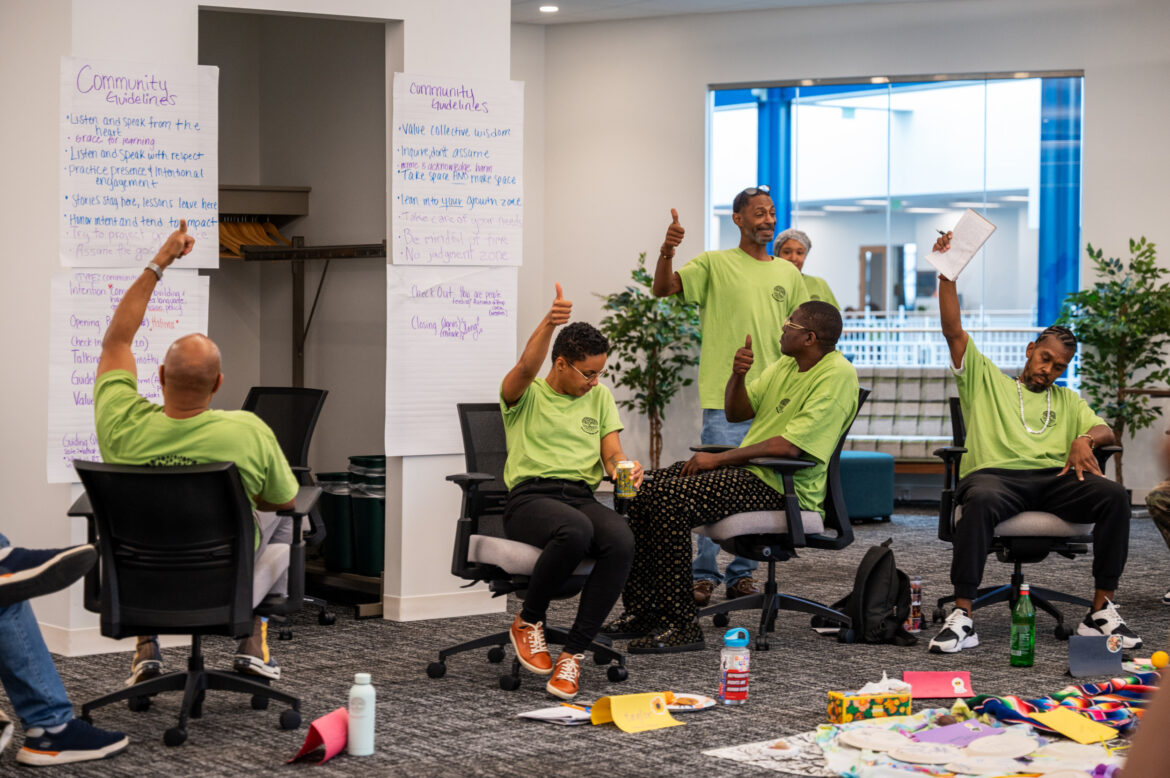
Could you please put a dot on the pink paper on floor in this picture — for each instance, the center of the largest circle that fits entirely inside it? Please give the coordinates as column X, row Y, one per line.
column 938, row 684
column 329, row 732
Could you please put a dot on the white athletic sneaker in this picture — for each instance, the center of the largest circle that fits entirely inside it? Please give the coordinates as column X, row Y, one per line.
column 1108, row 621
column 958, row 632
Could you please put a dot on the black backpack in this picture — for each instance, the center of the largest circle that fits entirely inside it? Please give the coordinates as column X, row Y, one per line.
column 880, row 601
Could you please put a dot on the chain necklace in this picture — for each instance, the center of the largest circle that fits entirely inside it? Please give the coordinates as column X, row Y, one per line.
column 1047, row 413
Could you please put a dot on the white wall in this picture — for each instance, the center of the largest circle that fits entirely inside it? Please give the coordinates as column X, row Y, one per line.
column 625, row 120
column 437, row 37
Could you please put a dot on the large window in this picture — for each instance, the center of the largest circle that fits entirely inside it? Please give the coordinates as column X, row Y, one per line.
column 871, row 170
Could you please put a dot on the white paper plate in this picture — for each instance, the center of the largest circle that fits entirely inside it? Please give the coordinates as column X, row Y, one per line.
column 926, row 753
column 872, row 738
column 1068, row 774
column 1066, row 749
column 687, row 702
column 1009, row 744
column 984, row 765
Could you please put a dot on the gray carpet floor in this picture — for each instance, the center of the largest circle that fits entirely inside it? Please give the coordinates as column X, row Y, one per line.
column 464, row 724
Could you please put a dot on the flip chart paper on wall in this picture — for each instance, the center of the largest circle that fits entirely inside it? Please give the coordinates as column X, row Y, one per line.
column 457, row 162
column 139, row 151
column 81, row 304
column 450, row 338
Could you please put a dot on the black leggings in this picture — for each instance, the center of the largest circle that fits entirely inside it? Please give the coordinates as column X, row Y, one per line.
column 564, row 519
column 990, row 496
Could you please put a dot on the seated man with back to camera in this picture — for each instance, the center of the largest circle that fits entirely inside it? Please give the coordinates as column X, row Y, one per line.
column 562, row 434
column 799, row 406
column 131, row 430
column 1029, row 447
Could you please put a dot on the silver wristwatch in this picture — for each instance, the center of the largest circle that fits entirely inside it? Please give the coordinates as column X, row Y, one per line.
column 156, row 269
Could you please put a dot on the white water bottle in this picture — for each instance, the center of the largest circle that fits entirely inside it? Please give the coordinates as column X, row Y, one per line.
column 361, row 717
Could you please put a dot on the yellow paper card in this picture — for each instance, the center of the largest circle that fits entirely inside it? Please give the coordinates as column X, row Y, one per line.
column 634, row 712
column 1076, row 726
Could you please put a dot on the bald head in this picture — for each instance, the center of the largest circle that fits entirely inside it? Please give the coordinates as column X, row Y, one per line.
column 191, row 367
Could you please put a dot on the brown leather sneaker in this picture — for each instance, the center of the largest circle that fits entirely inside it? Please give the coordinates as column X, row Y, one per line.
column 531, row 650
column 703, row 589
column 564, row 682
column 742, row 588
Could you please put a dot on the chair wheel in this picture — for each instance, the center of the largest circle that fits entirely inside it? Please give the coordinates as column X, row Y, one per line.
column 496, row 654
column 617, row 673
column 290, row 719
column 259, row 702
column 509, row 683
column 846, row 635
column 138, row 704
column 761, row 644
column 938, row 616
column 325, row 618
column 1063, row 631
column 175, row 736
column 437, row 669
column 720, row 619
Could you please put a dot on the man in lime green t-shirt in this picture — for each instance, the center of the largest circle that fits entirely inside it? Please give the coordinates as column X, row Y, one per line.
column 740, row 291
column 184, row 430
column 794, row 246
column 798, row 407
column 1029, row 447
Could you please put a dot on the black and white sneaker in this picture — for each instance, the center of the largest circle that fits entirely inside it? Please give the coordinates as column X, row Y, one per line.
column 1108, row 621
column 958, row 632
column 1166, row 598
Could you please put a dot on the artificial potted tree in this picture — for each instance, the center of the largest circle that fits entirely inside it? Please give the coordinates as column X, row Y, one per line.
column 653, row 346
column 1123, row 324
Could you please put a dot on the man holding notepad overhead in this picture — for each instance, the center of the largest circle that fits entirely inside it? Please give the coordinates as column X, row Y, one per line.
column 1029, row 447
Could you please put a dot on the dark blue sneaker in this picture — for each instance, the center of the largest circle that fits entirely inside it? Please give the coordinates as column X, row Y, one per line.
column 78, row 742
column 29, row 572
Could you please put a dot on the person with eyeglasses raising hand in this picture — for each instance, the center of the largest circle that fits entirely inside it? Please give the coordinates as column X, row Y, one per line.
column 562, row 435
column 739, row 290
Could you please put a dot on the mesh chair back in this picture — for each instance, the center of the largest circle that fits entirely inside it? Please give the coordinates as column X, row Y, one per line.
column 958, row 426
column 176, row 546
column 292, row 414
column 485, row 450
column 836, row 513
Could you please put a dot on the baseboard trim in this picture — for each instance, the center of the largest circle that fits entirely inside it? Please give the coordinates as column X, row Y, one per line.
column 441, row 606
column 89, row 640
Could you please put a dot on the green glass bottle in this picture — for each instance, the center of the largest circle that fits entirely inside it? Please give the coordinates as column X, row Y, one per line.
column 1023, row 630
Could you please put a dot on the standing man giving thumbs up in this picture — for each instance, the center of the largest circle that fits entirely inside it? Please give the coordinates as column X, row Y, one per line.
column 740, row 290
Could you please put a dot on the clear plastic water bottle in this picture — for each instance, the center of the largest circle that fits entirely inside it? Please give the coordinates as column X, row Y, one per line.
column 361, row 717
column 1023, row 630
column 734, row 660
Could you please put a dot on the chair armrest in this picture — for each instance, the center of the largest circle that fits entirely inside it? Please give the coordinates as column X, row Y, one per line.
column 1104, row 452
column 468, row 480
column 711, row 449
column 949, row 453
column 81, row 506
column 782, row 463
column 304, row 502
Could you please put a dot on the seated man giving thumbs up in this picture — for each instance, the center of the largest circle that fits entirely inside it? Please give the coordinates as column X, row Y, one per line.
column 799, row 406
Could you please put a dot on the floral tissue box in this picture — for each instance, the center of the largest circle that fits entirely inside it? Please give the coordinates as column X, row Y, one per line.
column 851, row 706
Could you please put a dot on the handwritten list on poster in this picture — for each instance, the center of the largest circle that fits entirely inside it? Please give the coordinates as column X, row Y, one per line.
column 139, row 151
column 457, row 166
column 450, row 338
column 81, row 304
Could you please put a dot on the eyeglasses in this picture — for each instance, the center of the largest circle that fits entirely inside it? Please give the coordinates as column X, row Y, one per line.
column 590, row 377
column 790, row 323
column 747, row 194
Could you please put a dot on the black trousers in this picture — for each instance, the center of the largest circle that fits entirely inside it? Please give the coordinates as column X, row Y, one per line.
column 991, row 496
column 564, row 519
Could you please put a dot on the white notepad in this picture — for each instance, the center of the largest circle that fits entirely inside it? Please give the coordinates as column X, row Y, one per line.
column 967, row 238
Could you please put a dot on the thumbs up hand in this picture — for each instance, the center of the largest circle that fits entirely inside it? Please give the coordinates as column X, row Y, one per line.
column 743, row 358
column 561, row 308
column 674, row 235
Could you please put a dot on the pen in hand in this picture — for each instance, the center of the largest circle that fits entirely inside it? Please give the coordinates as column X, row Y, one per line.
column 941, row 232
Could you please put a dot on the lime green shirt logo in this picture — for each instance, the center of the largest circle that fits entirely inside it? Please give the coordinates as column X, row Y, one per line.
column 1048, row 418
column 783, row 404
column 589, row 425
column 779, row 293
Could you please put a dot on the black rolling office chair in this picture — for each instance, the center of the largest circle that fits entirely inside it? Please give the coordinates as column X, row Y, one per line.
column 291, row 412
column 1025, row 538
column 774, row 536
column 176, row 547
column 504, row 565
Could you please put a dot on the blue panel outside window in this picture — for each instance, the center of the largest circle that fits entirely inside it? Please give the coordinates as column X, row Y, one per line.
column 1060, row 195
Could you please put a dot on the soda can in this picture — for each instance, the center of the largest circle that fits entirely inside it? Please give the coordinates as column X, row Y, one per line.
column 914, row 620
column 623, row 482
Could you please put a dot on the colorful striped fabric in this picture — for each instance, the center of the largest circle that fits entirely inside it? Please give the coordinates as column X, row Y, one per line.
column 1117, row 703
